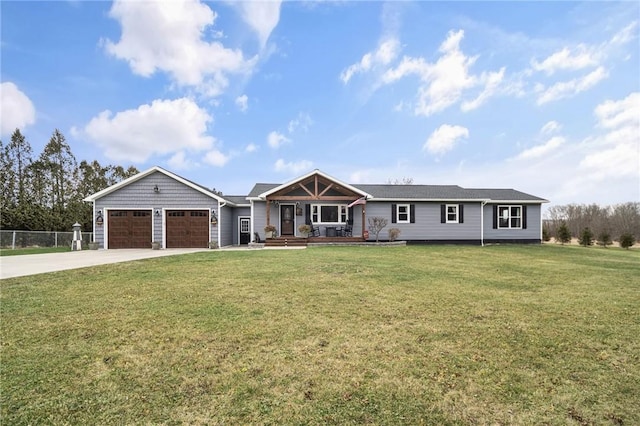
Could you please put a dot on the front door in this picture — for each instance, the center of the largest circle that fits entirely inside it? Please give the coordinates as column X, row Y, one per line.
column 245, row 230
column 287, row 219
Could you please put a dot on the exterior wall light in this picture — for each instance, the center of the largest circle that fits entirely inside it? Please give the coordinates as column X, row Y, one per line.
column 99, row 218
column 214, row 218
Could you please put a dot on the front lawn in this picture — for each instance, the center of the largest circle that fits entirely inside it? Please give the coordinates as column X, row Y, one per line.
column 341, row 335
column 33, row 250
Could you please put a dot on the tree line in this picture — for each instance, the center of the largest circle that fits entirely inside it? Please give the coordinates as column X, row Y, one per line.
column 573, row 219
column 46, row 193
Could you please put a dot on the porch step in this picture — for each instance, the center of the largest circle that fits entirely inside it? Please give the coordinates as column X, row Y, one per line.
column 286, row 242
column 302, row 242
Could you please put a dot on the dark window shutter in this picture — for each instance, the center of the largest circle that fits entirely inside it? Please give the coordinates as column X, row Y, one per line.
column 443, row 213
column 307, row 214
column 524, row 217
column 460, row 213
column 495, row 217
column 412, row 213
column 393, row 213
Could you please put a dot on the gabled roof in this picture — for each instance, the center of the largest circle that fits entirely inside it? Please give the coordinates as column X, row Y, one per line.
column 268, row 191
column 155, row 169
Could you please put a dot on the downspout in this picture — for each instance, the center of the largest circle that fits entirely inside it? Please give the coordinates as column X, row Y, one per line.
column 484, row 203
column 220, row 206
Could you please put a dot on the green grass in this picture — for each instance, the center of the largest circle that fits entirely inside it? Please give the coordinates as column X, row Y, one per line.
column 356, row 335
column 33, row 250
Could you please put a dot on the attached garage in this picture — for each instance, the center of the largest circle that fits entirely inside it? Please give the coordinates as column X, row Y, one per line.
column 129, row 229
column 187, row 228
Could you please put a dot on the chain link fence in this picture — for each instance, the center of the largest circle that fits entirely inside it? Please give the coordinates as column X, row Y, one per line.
column 23, row 239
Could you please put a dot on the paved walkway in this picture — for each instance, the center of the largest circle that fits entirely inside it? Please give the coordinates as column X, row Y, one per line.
column 18, row 266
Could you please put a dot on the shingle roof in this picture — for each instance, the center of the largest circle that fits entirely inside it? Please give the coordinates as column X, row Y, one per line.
column 425, row 192
column 445, row 192
column 236, row 199
column 259, row 188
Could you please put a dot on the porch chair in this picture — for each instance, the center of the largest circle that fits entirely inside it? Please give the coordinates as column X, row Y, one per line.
column 315, row 230
column 345, row 231
column 256, row 238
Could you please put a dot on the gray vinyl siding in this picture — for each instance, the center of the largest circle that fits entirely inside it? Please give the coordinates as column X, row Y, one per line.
column 140, row 195
column 427, row 226
column 236, row 214
column 533, row 231
column 259, row 219
column 225, row 224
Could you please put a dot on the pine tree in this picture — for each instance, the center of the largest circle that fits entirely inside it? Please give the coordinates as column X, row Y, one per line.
column 562, row 234
column 586, row 237
column 604, row 239
column 17, row 200
column 61, row 172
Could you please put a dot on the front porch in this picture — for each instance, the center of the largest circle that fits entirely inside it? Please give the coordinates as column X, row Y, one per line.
column 291, row 241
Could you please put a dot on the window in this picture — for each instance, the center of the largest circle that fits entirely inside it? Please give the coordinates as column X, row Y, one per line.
column 329, row 213
column 452, row 213
column 510, row 217
column 403, row 213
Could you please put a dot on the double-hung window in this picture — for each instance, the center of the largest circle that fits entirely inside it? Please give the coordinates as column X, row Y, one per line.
column 510, row 217
column 452, row 213
column 403, row 212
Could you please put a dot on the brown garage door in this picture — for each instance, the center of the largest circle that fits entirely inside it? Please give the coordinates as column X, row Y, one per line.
column 129, row 229
column 187, row 228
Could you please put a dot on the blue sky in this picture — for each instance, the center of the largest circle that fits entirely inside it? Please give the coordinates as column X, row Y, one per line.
column 543, row 97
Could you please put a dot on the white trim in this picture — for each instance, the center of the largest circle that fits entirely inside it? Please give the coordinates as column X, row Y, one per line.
column 146, row 173
column 105, row 217
column 338, row 205
column 240, row 219
column 163, row 216
column 308, row 175
column 279, row 227
column 509, row 207
column 408, row 213
column 446, row 213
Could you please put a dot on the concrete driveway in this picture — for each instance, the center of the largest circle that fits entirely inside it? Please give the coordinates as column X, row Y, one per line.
column 18, row 266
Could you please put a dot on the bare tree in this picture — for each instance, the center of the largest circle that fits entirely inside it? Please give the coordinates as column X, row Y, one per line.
column 376, row 224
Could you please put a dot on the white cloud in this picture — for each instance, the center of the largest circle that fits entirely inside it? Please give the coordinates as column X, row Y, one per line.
column 262, row 16
column 163, row 127
column 292, row 167
column 386, row 52
column 565, row 59
column 168, row 36
column 612, row 114
column 444, row 138
column 617, row 153
column 491, row 82
column 571, row 88
column 546, row 148
column 302, row 122
column 275, row 139
column 17, row 109
column 251, row 147
column 551, row 127
column 180, row 162
column 216, row 158
column 242, row 102
column 443, row 82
